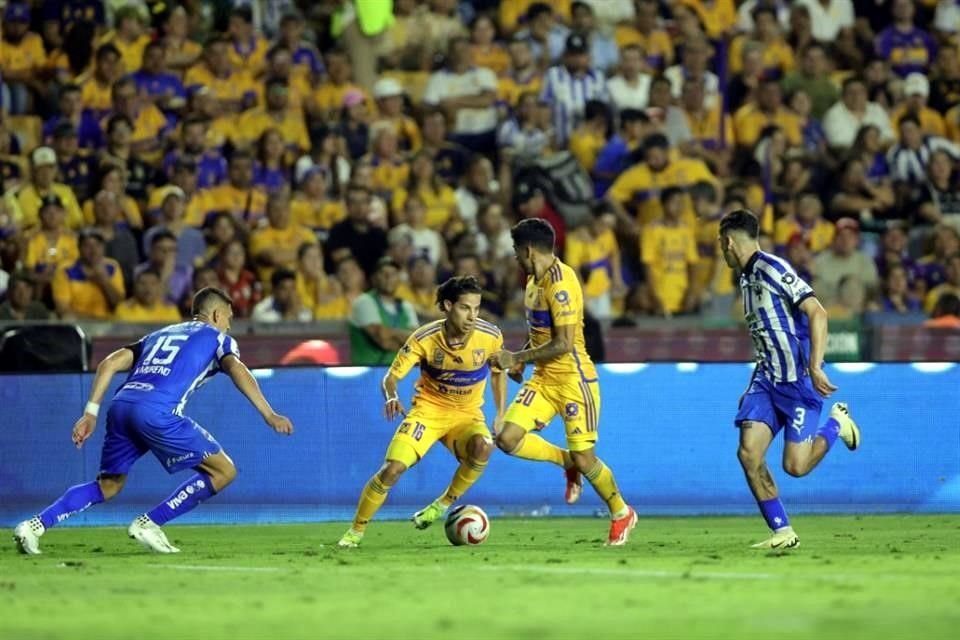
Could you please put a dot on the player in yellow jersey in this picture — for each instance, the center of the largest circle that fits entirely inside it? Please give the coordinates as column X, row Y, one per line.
column 452, row 353
column 564, row 380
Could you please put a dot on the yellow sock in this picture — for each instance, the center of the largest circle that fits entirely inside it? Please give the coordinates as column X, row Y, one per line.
column 467, row 473
column 371, row 499
column 533, row 447
column 606, row 487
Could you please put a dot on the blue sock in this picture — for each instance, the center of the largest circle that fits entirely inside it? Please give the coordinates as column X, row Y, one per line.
column 183, row 499
column 829, row 431
column 774, row 513
column 74, row 500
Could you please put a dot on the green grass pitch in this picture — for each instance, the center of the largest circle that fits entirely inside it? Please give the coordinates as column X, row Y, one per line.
column 853, row 577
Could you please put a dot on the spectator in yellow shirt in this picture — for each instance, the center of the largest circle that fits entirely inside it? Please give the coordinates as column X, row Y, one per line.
column 647, row 34
column 592, row 250
column 317, row 290
column 275, row 114
column 390, row 170
column 523, row 76
column 916, row 90
column 777, row 55
column 91, row 287
column 310, row 206
column 807, row 221
column 182, row 52
column 232, row 89
column 752, row 118
column 112, row 178
column 327, row 99
column 589, row 138
column 149, row 127
column 24, row 202
column 147, row 305
column 717, row 16
column 421, row 290
column 280, row 64
column 21, row 56
column 277, row 244
column 52, row 245
column 248, row 50
column 129, row 37
column 96, row 88
column 389, row 95
column 714, row 278
column 668, row 250
column 237, row 196
column 438, row 198
column 487, row 52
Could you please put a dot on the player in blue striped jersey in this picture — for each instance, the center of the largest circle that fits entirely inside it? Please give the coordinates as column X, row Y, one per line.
column 788, row 326
column 146, row 414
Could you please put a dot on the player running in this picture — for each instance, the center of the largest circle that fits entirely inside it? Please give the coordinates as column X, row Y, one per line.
column 147, row 415
column 564, row 381
column 789, row 330
column 452, row 354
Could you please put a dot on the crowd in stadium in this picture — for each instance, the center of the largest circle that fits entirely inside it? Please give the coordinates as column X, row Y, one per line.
column 298, row 154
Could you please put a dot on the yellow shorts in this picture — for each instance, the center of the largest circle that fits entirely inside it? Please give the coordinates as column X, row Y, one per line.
column 578, row 403
column 421, row 428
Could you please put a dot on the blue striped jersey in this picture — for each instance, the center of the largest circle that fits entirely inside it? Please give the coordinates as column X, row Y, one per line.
column 172, row 363
column 772, row 292
column 567, row 96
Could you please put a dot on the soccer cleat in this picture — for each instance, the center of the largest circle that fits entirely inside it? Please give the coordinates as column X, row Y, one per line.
column 428, row 515
column 27, row 536
column 621, row 527
column 849, row 431
column 784, row 539
column 351, row 539
column 574, row 485
column 146, row 532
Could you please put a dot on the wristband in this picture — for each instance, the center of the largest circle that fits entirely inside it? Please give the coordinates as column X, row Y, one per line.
column 93, row 408
column 391, row 399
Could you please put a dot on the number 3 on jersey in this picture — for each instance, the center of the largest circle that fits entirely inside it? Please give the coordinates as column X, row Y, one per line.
column 165, row 350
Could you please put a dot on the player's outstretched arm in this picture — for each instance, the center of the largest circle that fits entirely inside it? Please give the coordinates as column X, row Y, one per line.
column 817, row 317
column 247, row 384
column 498, row 378
column 561, row 343
column 392, row 407
column 119, row 360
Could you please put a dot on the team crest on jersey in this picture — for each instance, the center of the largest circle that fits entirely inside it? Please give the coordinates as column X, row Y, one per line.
column 406, row 348
column 562, row 297
column 788, row 279
column 479, row 356
column 572, row 409
column 438, row 357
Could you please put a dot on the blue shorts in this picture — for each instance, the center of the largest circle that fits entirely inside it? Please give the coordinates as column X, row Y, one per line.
column 133, row 429
column 794, row 406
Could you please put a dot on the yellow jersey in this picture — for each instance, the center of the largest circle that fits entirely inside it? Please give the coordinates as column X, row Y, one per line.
column 638, row 188
column 510, row 87
column 511, row 11
column 495, row 58
column 389, row 175
column 254, row 59
column 713, row 274
column 73, row 290
column 669, row 251
column 556, row 300
column 585, row 145
column 246, row 205
column 424, row 300
column 451, row 376
column 26, row 55
column 25, row 205
column 42, row 255
column 329, row 97
column 712, row 129
column 593, row 258
column 160, row 313
column 777, row 57
column 440, row 205
column 717, row 16
column 818, row 237
column 298, row 92
column 129, row 211
column 319, row 216
column 236, row 87
column 931, row 122
column 289, row 239
column 95, row 96
column 658, row 47
column 251, row 125
column 749, row 121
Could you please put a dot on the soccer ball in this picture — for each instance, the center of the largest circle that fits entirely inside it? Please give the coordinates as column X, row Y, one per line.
column 467, row 524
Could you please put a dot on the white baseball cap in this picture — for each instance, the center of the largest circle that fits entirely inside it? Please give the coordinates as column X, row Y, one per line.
column 916, row 84
column 43, row 156
column 386, row 88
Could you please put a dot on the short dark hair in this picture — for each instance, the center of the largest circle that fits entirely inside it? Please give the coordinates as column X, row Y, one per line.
column 206, row 298
column 740, row 220
column 908, row 117
column 947, row 305
column 703, row 190
column 160, row 236
column 149, row 272
column 455, row 287
column 533, row 232
column 116, row 120
column 280, row 275
column 671, row 192
column 537, row 9
column 106, row 49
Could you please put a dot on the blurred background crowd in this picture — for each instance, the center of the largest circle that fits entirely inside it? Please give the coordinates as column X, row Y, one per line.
column 302, row 154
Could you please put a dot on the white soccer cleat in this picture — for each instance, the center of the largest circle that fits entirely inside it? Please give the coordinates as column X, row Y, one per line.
column 849, row 431
column 783, row 539
column 27, row 536
column 351, row 539
column 146, row 532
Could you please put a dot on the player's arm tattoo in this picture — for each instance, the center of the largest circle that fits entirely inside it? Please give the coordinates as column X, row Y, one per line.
column 560, row 343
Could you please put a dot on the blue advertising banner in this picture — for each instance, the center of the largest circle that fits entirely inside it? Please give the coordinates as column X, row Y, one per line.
column 665, row 429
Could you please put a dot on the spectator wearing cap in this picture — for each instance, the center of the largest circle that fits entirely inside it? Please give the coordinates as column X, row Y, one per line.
column 668, row 249
column 299, row 85
column 130, row 36
column 328, row 98
column 172, row 217
column 25, row 200
column 529, row 201
column 22, row 56
column 467, row 94
column 603, row 49
column 356, row 236
column 156, row 83
column 380, row 322
column 484, row 48
column 449, row 158
column 91, row 287
column 276, row 245
column 951, row 286
column 523, row 74
column 438, row 200
column 119, row 241
column 248, row 49
column 307, row 63
column 695, row 65
column 389, row 96
column 20, row 303
column 909, row 159
column 319, row 292
column 310, row 205
column 852, row 111
column 569, row 86
column 592, row 250
column 843, row 258
column 544, row 33
column 945, row 79
column 232, row 89
column 807, row 221
column 284, row 303
column 192, row 146
column 355, row 124
column 908, row 48
column 645, row 32
column 767, row 110
column 76, row 170
column 630, row 89
column 275, row 114
column 812, row 77
column 53, row 244
column 238, row 196
column 916, row 90
column 147, row 305
column 162, row 258
column 181, row 51
column 97, row 87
